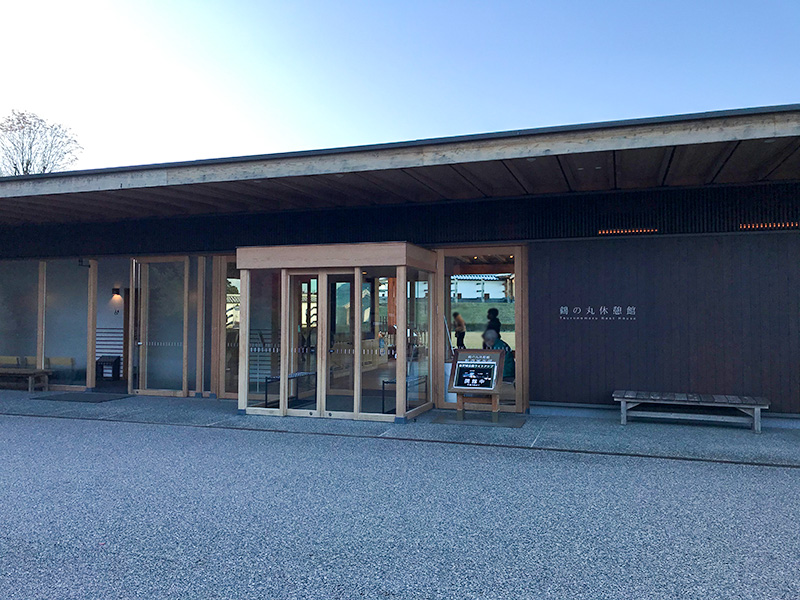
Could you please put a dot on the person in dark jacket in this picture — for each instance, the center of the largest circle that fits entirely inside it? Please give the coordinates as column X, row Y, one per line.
column 494, row 321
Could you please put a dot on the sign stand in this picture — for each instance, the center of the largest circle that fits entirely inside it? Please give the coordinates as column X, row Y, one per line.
column 476, row 377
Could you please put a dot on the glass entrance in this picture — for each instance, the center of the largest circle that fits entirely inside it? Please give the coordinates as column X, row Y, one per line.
column 161, row 330
column 303, row 340
column 341, row 364
column 344, row 341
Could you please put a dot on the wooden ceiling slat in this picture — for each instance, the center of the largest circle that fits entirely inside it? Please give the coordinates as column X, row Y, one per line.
column 697, row 164
column 54, row 208
column 285, row 197
column 590, row 171
column 445, row 180
column 641, row 168
column 333, row 188
column 248, row 199
column 154, row 204
column 217, row 201
column 305, row 186
column 401, row 183
column 789, row 169
column 753, row 160
column 367, row 190
column 492, row 178
column 539, row 175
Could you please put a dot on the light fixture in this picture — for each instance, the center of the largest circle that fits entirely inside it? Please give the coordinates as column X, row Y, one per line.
column 474, row 258
column 115, row 291
column 510, row 256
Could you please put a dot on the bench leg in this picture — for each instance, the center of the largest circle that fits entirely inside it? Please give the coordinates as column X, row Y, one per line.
column 757, row 420
column 623, row 409
column 31, row 383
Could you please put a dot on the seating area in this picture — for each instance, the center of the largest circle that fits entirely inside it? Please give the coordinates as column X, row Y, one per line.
column 748, row 405
column 35, row 377
column 14, row 368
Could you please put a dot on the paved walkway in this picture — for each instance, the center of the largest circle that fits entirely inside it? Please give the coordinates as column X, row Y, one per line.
column 585, row 431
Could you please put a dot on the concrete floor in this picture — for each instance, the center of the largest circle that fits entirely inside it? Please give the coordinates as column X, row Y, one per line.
column 110, row 501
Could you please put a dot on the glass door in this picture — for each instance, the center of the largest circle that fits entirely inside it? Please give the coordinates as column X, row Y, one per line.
column 322, row 355
column 340, row 341
column 303, row 339
column 161, row 330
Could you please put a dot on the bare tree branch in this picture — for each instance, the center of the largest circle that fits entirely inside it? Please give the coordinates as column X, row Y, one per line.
column 30, row 145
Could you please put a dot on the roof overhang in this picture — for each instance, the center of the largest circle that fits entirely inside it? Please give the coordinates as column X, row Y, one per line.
column 728, row 147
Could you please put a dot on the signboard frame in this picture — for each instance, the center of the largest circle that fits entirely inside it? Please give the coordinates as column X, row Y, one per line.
column 491, row 358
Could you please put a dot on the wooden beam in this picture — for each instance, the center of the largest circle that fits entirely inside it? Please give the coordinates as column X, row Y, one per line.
column 185, row 378
column 201, row 326
column 91, row 326
column 40, row 314
column 131, row 324
column 244, row 333
column 401, row 341
column 358, row 312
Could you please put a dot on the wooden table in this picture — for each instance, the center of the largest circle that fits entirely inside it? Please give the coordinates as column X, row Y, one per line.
column 749, row 405
column 32, row 375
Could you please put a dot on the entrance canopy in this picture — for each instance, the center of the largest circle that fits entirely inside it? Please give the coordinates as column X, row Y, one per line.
column 728, row 147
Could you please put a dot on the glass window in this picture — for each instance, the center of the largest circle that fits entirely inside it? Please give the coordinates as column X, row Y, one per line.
column 264, row 340
column 379, row 340
column 418, row 342
column 66, row 314
column 232, row 303
column 19, row 290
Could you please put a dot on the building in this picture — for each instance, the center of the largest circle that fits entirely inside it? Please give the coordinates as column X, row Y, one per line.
column 657, row 254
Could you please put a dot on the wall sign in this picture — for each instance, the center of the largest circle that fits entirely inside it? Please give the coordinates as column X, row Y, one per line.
column 600, row 312
column 476, row 371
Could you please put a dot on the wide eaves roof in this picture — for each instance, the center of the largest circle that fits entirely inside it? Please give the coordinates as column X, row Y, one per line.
column 715, row 148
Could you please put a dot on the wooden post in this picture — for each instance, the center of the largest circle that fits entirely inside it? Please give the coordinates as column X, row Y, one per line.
column 201, row 327
column 131, row 325
column 323, row 333
column 185, row 378
column 358, row 313
column 244, row 339
column 40, row 314
column 91, row 326
column 401, row 341
column 285, row 337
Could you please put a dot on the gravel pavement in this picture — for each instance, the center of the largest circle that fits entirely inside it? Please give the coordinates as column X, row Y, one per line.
column 101, row 509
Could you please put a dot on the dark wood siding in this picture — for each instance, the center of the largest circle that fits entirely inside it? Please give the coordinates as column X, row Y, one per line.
column 716, row 209
column 714, row 314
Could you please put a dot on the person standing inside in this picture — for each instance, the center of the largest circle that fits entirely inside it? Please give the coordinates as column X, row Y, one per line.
column 493, row 321
column 460, row 328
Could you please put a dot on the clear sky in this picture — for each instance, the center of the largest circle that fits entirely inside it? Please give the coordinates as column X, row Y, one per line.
column 160, row 80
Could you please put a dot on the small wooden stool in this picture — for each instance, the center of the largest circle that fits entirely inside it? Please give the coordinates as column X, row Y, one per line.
column 493, row 399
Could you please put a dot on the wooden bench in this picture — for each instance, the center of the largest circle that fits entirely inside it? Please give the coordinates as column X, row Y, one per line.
column 35, row 377
column 749, row 405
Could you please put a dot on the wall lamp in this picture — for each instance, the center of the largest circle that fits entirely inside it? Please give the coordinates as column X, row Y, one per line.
column 115, row 292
